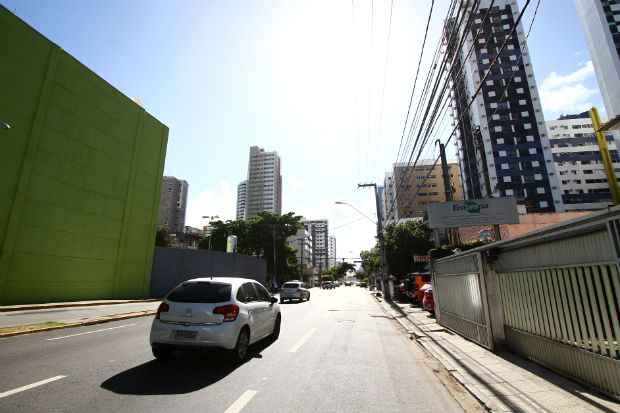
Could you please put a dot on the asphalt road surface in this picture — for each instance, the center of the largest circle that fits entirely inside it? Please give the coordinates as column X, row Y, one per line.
column 14, row 318
column 338, row 352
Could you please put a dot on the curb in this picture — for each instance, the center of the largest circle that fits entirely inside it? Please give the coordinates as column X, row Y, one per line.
column 63, row 305
column 87, row 322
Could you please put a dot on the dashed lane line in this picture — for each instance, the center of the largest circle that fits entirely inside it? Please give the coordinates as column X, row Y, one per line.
column 302, row 340
column 30, row 386
column 241, row 402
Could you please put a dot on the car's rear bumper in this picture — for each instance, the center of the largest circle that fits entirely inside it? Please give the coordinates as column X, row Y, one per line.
column 214, row 335
column 290, row 295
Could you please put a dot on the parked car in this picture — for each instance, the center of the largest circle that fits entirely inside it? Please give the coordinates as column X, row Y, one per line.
column 327, row 285
column 363, row 284
column 347, row 283
column 228, row 313
column 294, row 290
column 428, row 302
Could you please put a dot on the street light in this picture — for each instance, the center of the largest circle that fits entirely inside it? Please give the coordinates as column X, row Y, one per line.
column 379, row 238
column 357, row 210
column 4, row 125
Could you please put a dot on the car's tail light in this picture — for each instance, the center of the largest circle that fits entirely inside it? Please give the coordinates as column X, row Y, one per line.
column 163, row 308
column 230, row 312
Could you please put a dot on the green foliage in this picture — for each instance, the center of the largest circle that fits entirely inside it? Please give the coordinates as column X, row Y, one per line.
column 402, row 242
column 162, row 238
column 371, row 261
column 255, row 236
column 447, row 250
column 338, row 271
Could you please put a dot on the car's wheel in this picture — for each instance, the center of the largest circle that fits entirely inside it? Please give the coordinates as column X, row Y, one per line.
column 308, row 297
column 276, row 328
column 281, row 300
column 243, row 344
column 161, row 353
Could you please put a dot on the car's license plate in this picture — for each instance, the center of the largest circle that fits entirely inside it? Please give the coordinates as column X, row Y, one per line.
column 185, row 335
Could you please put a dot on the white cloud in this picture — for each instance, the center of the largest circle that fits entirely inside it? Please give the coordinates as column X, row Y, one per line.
column 218, row 200
column 568, row 93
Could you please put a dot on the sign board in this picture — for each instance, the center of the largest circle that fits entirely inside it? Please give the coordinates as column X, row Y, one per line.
column 421, row 258
column 231, row 244
column 472, row 212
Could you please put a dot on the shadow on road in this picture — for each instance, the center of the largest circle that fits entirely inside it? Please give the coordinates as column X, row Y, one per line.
column 184, row 373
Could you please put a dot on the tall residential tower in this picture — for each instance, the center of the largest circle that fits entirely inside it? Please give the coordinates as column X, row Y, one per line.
column 502, row 143
column 264, row 183
column 242, row 190
column 172, row 205
column 601, row 24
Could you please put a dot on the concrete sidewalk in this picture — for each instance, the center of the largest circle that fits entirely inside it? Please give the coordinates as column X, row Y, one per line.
column 45, row 306
column 502, row 381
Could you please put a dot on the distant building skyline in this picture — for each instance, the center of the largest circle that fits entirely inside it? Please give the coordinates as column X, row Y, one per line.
column 319, row 229
column 173, row 204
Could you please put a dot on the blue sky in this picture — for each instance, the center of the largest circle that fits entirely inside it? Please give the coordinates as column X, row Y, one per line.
column 305, row 78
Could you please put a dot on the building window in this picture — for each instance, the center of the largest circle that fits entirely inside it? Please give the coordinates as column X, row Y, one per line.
column 527, row 126
column 515, row 68
column 532, row 151
column 507, row 179
column 522, row 102
column 510, row 192
column 529, row 138
column 491, row 94
column 497, row 129
column 505, row 166
column 485, row 61
column 543, row 204
column 484, row 51
column 481, row 41
column 500, row 141
column 493, row 105
column 525, row 114
column 520, row 90
column 510, row 47
column 495, row 117
column 513, row 57
column 538, row 177
column 490, row 83
column 540, row 190
column 535, row 164
column 502, row 153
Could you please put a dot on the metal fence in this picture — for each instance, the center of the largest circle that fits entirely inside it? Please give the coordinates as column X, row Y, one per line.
column 557, row 297
column 462, row 306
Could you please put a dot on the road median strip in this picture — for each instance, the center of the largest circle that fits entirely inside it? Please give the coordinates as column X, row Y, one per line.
column 53, row 325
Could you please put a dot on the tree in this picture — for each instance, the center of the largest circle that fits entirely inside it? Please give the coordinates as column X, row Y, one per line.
column 259, row 236
column 162, row 238
column 371, row 261
column 402, row 242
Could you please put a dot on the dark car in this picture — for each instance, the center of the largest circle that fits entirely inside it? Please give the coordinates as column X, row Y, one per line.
column 363, row 284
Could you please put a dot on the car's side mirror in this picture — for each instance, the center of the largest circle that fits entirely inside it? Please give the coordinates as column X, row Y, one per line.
column 274, row 300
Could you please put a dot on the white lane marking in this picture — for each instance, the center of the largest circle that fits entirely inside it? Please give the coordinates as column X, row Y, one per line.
column 30, row 386
column 302, row 340
column 241, row 402
column 90, row 332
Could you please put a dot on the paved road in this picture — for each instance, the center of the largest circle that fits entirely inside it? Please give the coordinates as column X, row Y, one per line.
column 13, row 318
column 336, row 353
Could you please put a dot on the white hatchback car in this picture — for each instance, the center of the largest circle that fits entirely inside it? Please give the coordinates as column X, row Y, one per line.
column 228, row 313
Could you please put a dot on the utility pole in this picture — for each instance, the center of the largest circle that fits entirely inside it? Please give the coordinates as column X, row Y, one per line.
column 275, row 268
column 453, row 233
column 605, row 157
column 383, row 277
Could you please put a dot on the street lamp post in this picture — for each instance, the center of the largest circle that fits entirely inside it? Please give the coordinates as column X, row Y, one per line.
column 210, row 218
column 379, row 224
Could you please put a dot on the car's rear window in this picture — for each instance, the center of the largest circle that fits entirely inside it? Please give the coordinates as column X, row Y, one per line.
column 201, row 292
column 291, row 285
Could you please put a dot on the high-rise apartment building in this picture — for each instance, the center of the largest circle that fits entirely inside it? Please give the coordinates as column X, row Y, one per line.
column 264, row 184
column 578, row 162
column 601, row 24
column 331, row 252
column 320, row 242
column 172, row 205
column 242, row 190
column 301, row 242
column 502, row 143
column 417, row 186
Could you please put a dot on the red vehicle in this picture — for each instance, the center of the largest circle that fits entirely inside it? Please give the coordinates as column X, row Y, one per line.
column 428, row 302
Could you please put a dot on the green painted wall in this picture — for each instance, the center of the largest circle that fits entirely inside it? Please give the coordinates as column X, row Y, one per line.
column 80, row 175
